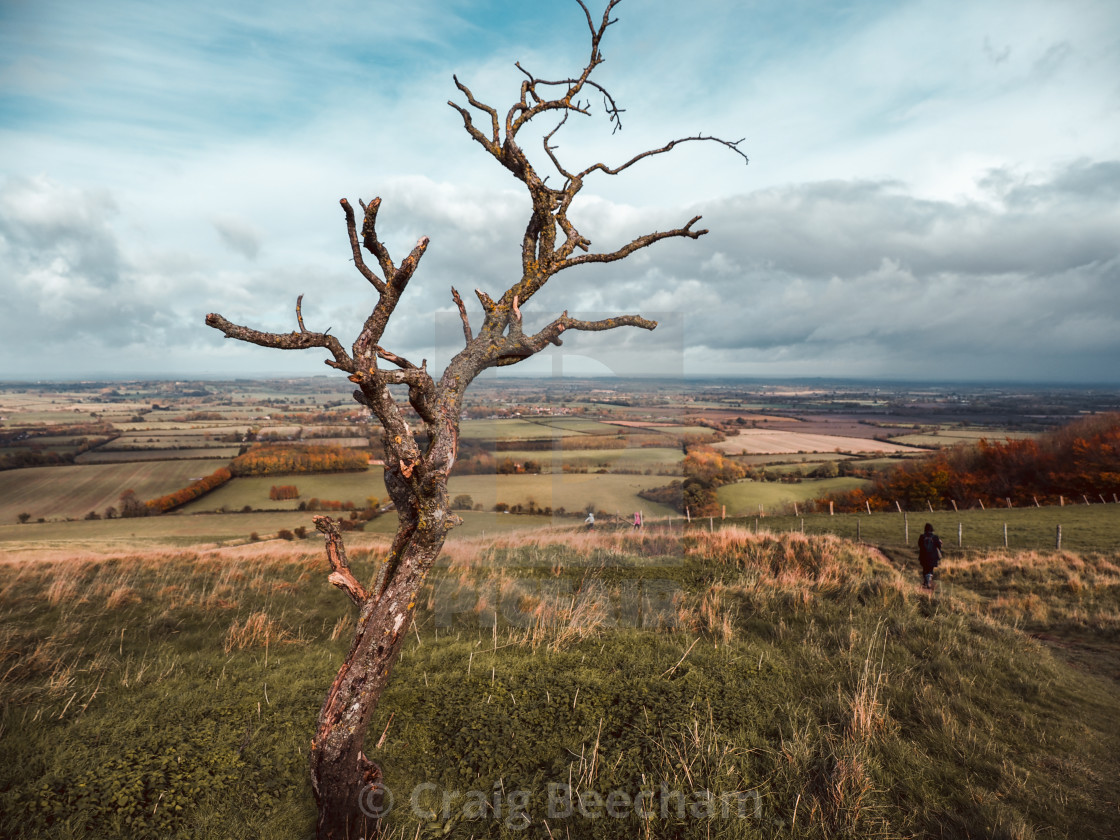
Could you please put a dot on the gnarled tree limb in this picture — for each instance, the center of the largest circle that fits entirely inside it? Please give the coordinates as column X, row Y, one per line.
column 417, row 466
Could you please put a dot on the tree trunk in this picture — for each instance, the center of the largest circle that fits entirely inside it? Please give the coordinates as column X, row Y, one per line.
column 347, row 784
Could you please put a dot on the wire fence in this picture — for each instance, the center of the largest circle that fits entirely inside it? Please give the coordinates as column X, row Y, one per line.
column 1093, row 528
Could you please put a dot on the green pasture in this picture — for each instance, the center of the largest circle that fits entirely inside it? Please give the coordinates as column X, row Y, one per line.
column 177, row 439
column 679, row 431
column 809, row 459
column 520, row 429
column 73, row 491
column 883, row 463
column 253, row 491
column 181, row 530
column 582, row 425
column 104, row 456
column 51, row 418
column 638, row 458
column 169, row 529
column 744, row 497
column 572, row 491
column 954, row 436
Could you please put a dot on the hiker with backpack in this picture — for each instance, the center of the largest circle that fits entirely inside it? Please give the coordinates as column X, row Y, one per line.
column 929, row 555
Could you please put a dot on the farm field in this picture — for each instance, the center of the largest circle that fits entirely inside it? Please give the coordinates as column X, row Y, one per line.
column 110, row 456
column 792, row 459
column 538, row 429
column 744, row 497
column 73, row 491
column 637, row 458
column 952, row 437
column 354, row 487
column 228, row 529
column 767, row 442
column 572, row 491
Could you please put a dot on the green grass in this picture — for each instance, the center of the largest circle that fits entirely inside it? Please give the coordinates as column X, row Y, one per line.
column 952, row 437
column 1084, row 528
column 573, row 491
column 353, row 487
column 744, row 497
column 109, row 456
column 635, row 458
column 172, row 695
column 798, row 460
column 73, row 491
column 520, row 429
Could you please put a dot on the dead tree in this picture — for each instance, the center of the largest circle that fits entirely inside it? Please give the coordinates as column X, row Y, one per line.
column 418, row 459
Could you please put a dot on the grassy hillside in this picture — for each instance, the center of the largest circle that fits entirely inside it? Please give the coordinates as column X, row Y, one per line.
column 803, row 681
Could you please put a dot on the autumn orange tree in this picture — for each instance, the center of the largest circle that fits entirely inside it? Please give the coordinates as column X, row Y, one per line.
column 420, row 454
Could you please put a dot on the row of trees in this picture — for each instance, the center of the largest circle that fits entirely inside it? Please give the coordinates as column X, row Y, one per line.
column 194, row 490
column 1081, row 459
column 297, row 458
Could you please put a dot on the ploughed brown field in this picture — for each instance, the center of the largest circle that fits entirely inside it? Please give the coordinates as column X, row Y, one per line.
column 775, row 442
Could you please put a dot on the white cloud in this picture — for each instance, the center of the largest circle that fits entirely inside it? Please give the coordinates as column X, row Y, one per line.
column 929, row 192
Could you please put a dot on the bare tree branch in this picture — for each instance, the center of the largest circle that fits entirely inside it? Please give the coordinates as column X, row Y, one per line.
column 284, row 341
column 355, row 247
column 340, row 575
column 635, row 245
column 369, row 237
column 418, row 465
column 462, row 315
column 731, row 144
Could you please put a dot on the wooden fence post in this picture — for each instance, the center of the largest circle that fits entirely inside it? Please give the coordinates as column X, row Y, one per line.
column 906, row 529
column 859, row 535
column 831, row 510
column 1005, row 535
column 1058, row 538
column 897, row 505
column 960, row 535
column 868, row 501
column 954, row 501
column 981, row 501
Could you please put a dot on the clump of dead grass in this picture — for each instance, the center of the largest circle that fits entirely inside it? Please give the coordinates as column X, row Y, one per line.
column 258, row 630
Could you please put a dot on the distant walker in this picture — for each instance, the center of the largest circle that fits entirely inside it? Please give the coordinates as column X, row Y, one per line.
column 929, row 555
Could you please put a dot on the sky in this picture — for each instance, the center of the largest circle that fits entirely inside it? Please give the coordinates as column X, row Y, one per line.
column 933, row 189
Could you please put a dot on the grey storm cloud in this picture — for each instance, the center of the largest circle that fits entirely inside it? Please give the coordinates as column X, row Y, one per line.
column 1021, row 279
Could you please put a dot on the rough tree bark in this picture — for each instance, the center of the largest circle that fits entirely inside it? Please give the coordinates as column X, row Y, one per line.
column 345, row 781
